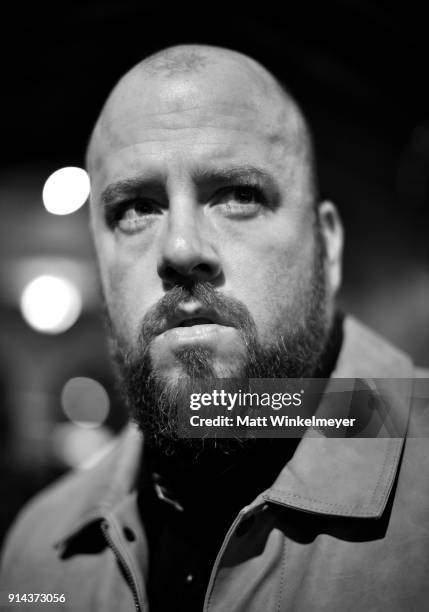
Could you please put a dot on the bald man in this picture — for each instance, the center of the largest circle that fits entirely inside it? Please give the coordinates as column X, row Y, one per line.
column 218, row 261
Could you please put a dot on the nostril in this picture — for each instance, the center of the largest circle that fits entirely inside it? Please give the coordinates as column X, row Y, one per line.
column 170, row 274
column 205, row 269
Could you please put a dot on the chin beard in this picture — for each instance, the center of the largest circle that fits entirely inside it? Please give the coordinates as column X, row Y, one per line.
column 154, row 403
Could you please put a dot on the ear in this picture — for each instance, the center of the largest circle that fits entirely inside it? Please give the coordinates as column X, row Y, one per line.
column 333, row 236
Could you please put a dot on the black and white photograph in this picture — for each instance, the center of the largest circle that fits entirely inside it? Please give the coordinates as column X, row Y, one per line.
column 214, row 300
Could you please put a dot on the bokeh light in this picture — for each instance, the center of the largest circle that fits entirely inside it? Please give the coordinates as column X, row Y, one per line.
column 50, row 304
column 79, row 448
column 85, row 402
column 66, row 190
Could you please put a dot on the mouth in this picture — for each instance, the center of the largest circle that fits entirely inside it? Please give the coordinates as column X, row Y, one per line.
column 195, row 325
column 195, row 321
column 194, row 315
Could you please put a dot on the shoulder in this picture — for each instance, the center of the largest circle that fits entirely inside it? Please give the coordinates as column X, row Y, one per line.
column 68, row 504
column 367, row 354
column 421, row 373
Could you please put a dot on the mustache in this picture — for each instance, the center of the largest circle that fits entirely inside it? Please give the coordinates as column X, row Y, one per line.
column 226, row 307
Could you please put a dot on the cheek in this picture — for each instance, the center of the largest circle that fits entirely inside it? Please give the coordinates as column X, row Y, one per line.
column 129, row 290
column 271, row 277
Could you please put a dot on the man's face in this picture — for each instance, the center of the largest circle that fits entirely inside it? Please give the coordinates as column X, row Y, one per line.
column 194, row 183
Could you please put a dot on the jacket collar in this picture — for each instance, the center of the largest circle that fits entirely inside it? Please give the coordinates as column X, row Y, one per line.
column 333, row 476
column 352, row 476
column 102, row 486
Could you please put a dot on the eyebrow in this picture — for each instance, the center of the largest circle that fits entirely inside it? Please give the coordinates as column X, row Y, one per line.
column 239, row 174
column 127, row 187
column 233, row 173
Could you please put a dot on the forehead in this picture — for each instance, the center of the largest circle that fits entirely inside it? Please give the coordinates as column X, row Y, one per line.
column 187, row 120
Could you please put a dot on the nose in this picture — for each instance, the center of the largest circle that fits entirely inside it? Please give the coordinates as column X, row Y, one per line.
column 187, row 253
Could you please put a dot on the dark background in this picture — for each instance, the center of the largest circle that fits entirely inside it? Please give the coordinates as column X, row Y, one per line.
column 358, row 68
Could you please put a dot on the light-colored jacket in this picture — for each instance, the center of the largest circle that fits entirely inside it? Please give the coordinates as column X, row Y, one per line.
column 345, row 526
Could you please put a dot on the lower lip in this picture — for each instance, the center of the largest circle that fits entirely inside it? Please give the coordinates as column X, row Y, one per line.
column 200, row 334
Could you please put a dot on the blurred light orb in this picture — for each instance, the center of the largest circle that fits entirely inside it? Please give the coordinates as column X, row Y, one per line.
column 85, row 402
column 79, row 448
column 66, row 190
column 50, row 304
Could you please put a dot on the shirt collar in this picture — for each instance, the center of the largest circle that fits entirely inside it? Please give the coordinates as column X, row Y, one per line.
column 351, row 476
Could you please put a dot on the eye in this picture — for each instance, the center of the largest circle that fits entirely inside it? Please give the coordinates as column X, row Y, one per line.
column 240, row 200
column 132, row 215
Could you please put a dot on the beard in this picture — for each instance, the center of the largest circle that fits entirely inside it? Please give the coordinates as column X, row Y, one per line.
column 155, row 404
